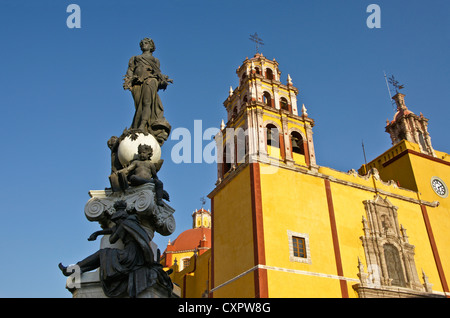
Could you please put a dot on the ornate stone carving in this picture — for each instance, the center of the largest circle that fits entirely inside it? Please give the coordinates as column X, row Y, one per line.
column 407, row 125
column 142, row 199
column 389, row 256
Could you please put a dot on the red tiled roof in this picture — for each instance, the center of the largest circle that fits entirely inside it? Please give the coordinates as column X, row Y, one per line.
column 190, row 239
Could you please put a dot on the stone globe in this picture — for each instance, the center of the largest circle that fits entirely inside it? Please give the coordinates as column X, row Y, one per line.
column 128, row 148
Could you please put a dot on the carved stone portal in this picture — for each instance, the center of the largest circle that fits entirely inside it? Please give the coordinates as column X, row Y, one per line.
column 391, row 269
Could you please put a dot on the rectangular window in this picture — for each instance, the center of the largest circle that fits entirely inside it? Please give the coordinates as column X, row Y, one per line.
column 299, row 250
column 299, row 247
column 186, row 262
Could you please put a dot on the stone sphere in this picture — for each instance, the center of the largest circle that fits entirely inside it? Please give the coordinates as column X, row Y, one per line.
column 128, row 148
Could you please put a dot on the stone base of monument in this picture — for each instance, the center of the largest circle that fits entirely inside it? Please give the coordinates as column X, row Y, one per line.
column 152, row 217
column 89, row 286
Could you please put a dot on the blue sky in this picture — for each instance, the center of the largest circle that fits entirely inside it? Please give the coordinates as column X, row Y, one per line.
column 61, row 98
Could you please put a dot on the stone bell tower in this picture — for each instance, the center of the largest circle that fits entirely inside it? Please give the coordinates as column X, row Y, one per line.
column 408, row 126
column 264, row 121
column 267, row 138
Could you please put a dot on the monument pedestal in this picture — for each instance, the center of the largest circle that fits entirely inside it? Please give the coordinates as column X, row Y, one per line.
column 151, row 217
column 89, row 286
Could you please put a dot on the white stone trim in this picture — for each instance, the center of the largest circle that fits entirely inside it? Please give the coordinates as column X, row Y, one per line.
column 286, row 270
column 296, row 129
column 308, row 273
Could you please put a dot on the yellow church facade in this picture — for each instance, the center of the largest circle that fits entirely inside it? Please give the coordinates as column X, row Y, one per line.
column 282, row 226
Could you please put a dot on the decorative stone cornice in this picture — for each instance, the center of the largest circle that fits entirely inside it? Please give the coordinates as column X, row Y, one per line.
column 314, row 172
column 140, row 200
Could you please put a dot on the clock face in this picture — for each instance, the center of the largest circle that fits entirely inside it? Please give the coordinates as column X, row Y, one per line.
column 439, row 187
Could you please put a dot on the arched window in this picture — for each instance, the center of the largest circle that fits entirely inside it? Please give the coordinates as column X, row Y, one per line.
column 226, row 160
column 244, row 76
column 273, row 138
column 297, row 143
column 234, row 114
column 284, row 104
column 244, row 100
column 267, row 99
column 257, row 71
column 269, row 74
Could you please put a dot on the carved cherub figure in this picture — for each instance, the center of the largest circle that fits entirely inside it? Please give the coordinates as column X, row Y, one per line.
column 143, row 170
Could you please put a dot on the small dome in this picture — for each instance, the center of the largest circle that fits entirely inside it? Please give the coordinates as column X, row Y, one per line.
column 190, row 239
column 402, row 112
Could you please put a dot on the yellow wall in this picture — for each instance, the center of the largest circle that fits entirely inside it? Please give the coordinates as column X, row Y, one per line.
column 399, row 170
column 297, row 202
column 180, row 257
column 195, row 279
column 288, row 204
column 409, row 215
column 424, row 170
column 233, row 236
column 299, row 159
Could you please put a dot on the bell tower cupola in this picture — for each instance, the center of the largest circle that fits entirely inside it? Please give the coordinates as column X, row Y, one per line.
column 265, row 122
column 201, row 219
column 259, row 81
column 408, row 126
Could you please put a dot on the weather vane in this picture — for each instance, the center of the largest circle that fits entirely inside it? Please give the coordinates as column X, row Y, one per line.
column 258, row 41
column 395, row 83
column 203, row 201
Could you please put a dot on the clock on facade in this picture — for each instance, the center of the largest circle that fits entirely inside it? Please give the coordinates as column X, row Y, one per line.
column 439, row 187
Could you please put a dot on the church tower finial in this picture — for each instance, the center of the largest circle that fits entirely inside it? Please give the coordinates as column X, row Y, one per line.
column 258, row 41
column 408, row 126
